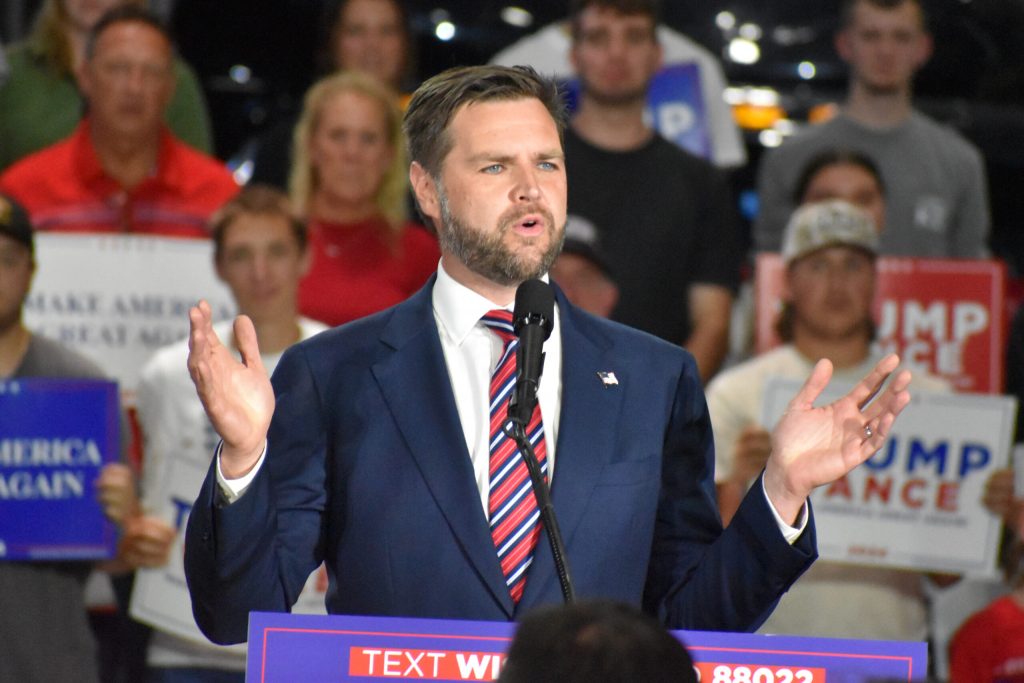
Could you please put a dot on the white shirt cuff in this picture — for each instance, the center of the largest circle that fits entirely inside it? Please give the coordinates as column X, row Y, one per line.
column 234, row 488
column 790, row 533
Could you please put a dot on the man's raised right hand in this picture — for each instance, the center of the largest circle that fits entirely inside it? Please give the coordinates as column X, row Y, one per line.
column 237, row 396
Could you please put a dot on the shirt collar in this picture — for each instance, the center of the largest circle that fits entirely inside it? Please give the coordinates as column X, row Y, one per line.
column 458, row 308
column 86, row 161
column 90, row 171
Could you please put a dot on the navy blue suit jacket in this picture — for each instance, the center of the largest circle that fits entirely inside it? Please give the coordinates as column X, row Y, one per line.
column 367, row 469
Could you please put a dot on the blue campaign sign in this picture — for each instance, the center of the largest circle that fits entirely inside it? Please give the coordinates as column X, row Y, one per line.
column 677, row 109
column 675, row 106
column 289, row 647
column 55, row 437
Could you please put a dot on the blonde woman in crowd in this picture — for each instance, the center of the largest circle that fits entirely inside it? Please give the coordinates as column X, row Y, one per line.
column 349, row 179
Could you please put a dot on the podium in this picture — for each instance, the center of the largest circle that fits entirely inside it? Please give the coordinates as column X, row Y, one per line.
column 310, row 648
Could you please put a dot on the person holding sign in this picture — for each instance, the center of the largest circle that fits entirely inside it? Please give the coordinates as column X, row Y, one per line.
column 829, row 251
column 43, row 616
column 260, row 252
column 370, row 450
column 989, row 646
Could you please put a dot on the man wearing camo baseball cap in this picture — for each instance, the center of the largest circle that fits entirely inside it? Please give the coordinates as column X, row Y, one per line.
column 824, row 224
column 830, row 250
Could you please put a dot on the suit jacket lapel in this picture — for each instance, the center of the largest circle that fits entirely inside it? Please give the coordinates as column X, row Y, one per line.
column 415, row 384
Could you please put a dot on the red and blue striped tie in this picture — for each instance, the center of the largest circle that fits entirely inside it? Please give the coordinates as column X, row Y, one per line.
column 512, row 507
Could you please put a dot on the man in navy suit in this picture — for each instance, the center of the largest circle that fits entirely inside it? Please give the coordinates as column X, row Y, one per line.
column 371, row 449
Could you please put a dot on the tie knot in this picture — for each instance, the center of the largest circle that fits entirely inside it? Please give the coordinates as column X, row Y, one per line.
column 499, row 321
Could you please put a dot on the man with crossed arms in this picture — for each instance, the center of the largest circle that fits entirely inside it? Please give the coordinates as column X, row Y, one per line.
column 370, row 450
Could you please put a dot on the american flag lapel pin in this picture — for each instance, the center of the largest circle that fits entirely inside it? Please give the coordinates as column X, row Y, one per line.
column 608, row 379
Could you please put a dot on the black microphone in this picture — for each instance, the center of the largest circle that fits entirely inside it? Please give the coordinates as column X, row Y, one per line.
column 532, row 319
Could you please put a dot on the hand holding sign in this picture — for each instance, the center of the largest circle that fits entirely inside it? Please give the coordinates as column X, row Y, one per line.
column 146, row 542
column 237, row 396
column 116, row 491
column 814, row 446
column 753, row 447
column 999, row 496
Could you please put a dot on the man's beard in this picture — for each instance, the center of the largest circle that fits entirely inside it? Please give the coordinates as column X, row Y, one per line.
column 620, row 98
column 486, row 254
column 833, row 333
column 616, row 99
column 881, row 88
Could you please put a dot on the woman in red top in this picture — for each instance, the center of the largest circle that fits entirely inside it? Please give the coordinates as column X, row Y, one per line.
column 349, row 178
column 989, row 646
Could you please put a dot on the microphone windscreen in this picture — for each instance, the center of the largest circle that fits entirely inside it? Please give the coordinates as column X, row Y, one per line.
column 535, row 302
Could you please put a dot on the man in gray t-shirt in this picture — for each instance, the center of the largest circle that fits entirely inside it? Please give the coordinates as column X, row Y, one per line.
column 42, row 604
column 936, row 192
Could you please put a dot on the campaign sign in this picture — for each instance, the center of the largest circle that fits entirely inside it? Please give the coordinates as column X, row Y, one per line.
column 916, row 503
column 675, row 107
column 119, row 298
column 55, row 437
column 160, row 595
column 946, row 316
column 288, row 647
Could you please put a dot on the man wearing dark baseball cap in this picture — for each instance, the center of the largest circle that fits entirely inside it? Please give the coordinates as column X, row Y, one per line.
column 582, row 270
column 38, row 597
column 14, row 222
column 17, row 264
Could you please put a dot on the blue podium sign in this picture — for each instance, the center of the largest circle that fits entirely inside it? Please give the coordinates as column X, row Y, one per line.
column 55, row 437
column 291, row 647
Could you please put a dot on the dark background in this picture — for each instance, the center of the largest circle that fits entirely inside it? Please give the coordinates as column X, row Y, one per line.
column 974, row 81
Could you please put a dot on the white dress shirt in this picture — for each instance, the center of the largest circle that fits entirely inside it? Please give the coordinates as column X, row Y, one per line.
column 471, row 352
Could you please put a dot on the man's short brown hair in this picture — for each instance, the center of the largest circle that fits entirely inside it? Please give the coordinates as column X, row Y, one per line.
column 126, row 14
column 262, row 200
column 434, row 104
column 848, row 6
column 649, row 8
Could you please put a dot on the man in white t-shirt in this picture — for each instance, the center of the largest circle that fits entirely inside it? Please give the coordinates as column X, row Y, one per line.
column 260, row 253
column 829, row 250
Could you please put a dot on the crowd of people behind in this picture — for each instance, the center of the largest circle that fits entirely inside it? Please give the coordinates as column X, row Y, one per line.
column 104, row 130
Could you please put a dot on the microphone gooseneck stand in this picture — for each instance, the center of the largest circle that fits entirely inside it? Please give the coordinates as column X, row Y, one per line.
column 515, row 429
column 533, row 320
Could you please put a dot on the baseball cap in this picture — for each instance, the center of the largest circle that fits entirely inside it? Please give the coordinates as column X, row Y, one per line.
column 14, row 221
column 832, row 223
column 581, row 239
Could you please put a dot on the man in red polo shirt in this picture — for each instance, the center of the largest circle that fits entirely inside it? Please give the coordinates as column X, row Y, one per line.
column 122, row 170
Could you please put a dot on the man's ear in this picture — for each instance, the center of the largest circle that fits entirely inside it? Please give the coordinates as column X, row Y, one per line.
column 424, row 187
column 218, row 268
column 842, row 45
column 786, row 290
column 305, row 261
column 925, row 50
column 83, row 80
column 170, row 87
